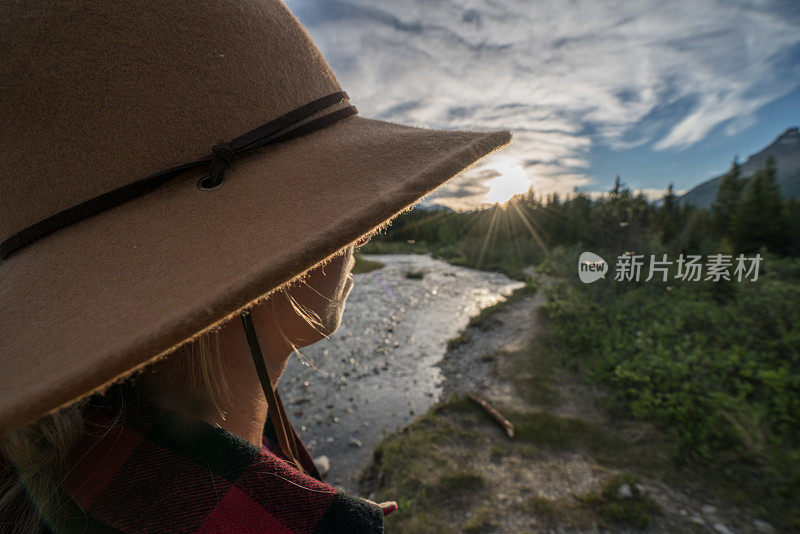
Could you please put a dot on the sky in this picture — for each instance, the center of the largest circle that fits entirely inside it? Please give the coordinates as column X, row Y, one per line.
column 656, row 91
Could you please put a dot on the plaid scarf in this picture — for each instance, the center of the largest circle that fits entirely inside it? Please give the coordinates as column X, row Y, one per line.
column 151, row 470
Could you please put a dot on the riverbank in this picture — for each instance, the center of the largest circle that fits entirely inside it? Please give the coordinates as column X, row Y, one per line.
column 378, row 371
column 570, row 467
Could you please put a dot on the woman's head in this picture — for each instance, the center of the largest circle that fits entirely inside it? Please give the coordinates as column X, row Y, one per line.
column 214, row 377
column 211, row 368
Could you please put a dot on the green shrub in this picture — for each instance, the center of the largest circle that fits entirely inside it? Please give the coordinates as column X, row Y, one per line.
column 718, row 370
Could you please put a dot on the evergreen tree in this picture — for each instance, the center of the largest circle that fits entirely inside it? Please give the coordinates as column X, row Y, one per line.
column 670, row 200
column 668, row 216
column 617, row 187
column 728, row 194
column 791, row 217
column 759, row 218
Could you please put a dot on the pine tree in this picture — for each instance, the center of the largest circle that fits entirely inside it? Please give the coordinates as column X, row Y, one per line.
column 670, row 199
column 728, row 195
column 791, row 217
column 668, row 215
column 617, row 187
column 759, row 217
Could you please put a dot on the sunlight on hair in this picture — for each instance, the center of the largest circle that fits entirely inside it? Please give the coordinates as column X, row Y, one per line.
column 512, row 181
column 310, row 317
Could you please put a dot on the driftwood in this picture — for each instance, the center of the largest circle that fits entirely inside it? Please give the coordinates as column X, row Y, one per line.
column 497, row 416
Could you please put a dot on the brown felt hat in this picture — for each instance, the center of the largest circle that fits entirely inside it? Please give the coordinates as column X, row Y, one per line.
column 108, row 262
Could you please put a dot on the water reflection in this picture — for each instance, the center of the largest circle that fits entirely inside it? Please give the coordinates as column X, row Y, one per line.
column 378, row 371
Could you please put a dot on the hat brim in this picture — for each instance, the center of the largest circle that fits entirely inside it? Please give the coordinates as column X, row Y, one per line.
column 96, row 300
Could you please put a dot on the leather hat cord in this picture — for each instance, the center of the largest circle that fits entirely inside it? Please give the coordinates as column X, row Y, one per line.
column 277, row 414
column 284, row 128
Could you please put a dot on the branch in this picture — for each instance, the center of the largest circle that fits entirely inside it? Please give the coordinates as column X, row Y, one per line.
column 497, row 416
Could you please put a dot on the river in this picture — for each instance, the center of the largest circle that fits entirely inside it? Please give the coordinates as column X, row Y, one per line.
column 379, row 371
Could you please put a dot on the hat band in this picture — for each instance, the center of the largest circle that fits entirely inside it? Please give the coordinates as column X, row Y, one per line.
column 286, row 127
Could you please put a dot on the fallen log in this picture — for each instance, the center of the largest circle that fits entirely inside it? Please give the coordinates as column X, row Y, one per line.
column 497, row 416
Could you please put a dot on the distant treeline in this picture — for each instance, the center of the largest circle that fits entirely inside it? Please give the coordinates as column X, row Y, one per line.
column 749, row 215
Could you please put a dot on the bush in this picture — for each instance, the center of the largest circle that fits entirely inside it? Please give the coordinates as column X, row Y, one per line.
column 718, row 369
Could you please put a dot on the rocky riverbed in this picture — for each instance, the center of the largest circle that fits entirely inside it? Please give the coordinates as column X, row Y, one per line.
column 571, row 467
column 378, row 371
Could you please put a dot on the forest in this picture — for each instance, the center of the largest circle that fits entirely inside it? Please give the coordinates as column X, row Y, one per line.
column 715, row 363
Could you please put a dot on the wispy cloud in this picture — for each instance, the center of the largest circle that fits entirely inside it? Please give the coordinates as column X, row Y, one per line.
column 562, row 75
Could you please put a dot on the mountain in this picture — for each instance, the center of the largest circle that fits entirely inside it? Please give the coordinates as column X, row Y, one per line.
column 434, row 207
column 786, row 151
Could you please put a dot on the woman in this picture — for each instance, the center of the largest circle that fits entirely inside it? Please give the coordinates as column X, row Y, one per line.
column 184, row 186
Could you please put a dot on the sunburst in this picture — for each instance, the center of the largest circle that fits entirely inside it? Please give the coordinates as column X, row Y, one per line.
column 511, row 181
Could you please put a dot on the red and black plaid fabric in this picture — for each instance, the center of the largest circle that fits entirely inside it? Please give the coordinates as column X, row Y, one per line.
column 150, row 470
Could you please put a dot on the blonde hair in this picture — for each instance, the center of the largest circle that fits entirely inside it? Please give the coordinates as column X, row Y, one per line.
column 33, row 458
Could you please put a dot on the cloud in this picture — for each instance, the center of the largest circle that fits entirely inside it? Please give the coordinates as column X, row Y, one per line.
column 563, row 76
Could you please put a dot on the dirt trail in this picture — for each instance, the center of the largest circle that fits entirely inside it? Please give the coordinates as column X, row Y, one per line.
column 543, row 488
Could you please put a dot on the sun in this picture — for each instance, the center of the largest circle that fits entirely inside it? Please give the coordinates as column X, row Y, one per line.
column 512, row 181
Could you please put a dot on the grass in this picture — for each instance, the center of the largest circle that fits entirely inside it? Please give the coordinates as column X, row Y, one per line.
column 416, row 469
column 636, row 510
column 544, row 508
column 533, row 373
column 716, row 366
column 481, row 520
column 415, row 275
column 605, row 509
column 429, row 468
column 364, row 265
column 378, row 246
column 457, row 485
column 455, row 342
column 504, row 259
